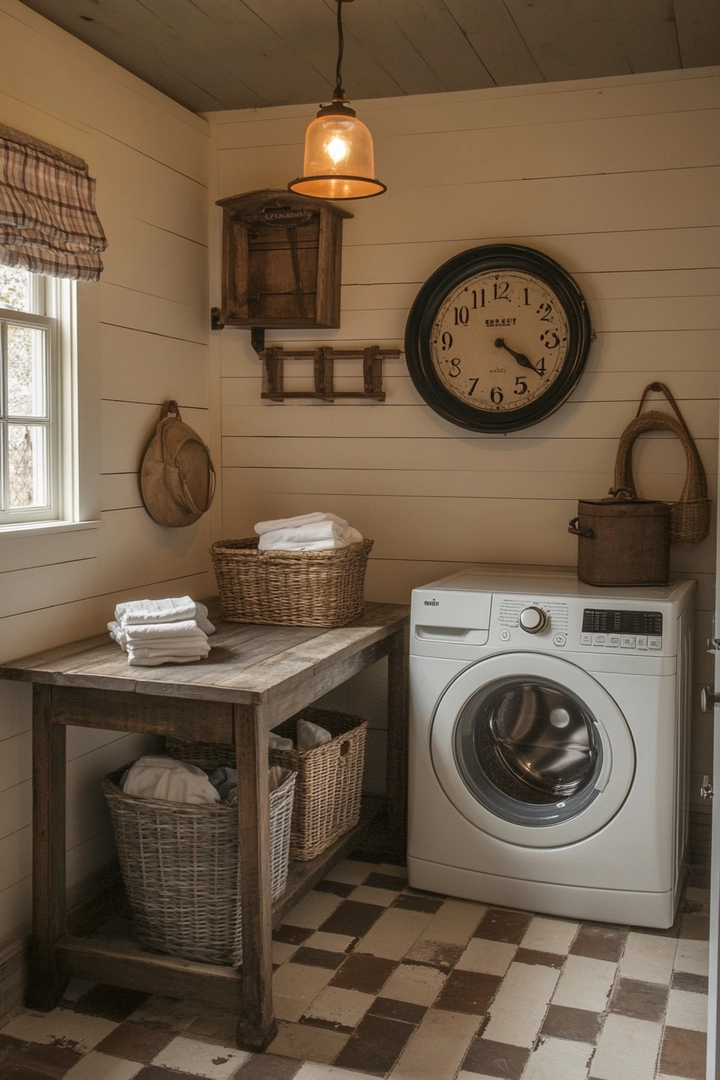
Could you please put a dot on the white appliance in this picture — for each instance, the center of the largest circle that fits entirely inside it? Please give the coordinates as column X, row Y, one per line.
column 549, row 743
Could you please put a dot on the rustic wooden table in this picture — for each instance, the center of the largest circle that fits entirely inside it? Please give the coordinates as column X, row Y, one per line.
column 255, row 677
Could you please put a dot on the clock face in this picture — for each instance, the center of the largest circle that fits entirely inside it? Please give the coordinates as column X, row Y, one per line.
column 497, row 338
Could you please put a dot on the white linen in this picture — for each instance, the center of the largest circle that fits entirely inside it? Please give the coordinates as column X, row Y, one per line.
column 298, row 521
column 164, row 778
column 155, row 661
column 307, row 538
column 175, row 631
column 170, row 610
column 310, row 736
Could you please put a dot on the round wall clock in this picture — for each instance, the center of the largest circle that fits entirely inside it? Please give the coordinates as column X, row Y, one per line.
column 497, row 338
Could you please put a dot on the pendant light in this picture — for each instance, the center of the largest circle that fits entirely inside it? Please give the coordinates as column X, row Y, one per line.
column 339, row 161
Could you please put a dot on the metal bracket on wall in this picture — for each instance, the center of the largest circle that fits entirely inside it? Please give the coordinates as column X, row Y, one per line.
column 273, row 361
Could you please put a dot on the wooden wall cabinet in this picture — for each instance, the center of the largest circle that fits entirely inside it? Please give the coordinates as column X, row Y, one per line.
column 281, row 264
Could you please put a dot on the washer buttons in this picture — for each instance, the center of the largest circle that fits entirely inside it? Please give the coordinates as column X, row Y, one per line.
column 654, row 643
column 628, row 641
column 642, row 642
column 614, row 640
column 599, row 639
column 559, row 640
column 505, row 635
column 586, row 639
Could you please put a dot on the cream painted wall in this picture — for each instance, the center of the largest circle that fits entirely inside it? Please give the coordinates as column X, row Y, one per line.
column 618, row 180
column 143, row 339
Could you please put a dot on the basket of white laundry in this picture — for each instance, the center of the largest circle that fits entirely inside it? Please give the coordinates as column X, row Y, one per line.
column 328, row 791
column 181, row 870
column 291, row 588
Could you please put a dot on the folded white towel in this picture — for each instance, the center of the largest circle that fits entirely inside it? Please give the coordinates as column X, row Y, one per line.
column 155, row 661
column 164, row 778
column 298, row 521
column 310, row 736
column 172, row 609
column 163, row 649
column 173, row 631
column 277, row 742
column 300, row 540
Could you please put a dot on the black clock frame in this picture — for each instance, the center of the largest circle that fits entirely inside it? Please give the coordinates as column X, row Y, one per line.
column 430, row 298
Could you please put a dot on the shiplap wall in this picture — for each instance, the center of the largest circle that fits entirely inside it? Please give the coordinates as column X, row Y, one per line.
column 143, row 339
column 618, row 180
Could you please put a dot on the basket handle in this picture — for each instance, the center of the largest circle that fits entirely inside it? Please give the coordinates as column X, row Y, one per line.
column 658, row 388
column 695, row 487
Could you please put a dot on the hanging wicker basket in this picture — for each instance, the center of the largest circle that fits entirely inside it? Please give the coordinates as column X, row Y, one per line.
column 690, row 515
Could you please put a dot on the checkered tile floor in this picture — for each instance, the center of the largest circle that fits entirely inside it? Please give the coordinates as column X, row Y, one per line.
column 374, row 979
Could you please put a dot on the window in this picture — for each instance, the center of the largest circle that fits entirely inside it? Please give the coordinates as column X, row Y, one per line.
column 34, row 386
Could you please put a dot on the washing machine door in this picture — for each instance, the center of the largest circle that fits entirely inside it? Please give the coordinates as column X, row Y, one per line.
column 532, row 749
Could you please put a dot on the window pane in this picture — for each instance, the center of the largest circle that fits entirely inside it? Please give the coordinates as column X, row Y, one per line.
column 27, row 466
column 27, row 389
column 15, row 288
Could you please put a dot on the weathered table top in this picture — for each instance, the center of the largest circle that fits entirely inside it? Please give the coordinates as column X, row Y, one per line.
column 247, row 664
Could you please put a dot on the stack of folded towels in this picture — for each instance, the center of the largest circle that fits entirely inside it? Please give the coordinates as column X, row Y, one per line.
column 306, row 532
column 170, row 631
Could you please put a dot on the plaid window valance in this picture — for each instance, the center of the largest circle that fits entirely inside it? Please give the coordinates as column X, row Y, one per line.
column 48, row 222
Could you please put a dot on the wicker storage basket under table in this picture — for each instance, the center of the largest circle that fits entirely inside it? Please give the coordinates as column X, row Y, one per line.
column 328, row 790
column 291, row 588
column 179, row 863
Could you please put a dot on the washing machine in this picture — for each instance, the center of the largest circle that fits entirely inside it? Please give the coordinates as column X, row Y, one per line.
column 549, row 744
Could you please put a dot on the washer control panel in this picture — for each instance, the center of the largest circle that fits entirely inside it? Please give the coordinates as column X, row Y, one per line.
column 614, row 629
column 552, row 624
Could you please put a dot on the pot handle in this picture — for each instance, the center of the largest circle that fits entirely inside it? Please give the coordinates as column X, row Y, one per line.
column 573, row 528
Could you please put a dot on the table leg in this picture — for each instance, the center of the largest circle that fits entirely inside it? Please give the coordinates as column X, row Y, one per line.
column 49, row 901
column 397, row 764
column 256, row 1026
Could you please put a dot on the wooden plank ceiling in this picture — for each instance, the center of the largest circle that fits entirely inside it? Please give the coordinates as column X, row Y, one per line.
column 235, row 54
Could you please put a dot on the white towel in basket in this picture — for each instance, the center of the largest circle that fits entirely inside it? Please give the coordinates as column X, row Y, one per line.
column 298, row 522
column 165, row 778
column 325, row 536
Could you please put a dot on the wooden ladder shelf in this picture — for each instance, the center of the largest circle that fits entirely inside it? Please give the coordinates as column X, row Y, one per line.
column 273, row 360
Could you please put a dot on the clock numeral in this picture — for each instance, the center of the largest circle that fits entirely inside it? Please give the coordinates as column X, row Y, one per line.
column 454, row 367
column 447, row 340
column 482, row 297
column 462, row 316
column 501, row 290
column 550, row 339
column 496, row 395
column 545, row 311
column 520, row 385
column 527, row 297
column 540, row 366
column 473, row 293
column 472, row 387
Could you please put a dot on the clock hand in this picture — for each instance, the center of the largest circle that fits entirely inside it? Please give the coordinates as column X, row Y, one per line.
column 520, row 357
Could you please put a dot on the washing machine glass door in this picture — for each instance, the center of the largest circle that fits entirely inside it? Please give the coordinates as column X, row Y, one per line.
column 532, row 749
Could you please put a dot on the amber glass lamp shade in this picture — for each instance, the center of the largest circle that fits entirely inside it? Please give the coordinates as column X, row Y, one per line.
column 339, row 160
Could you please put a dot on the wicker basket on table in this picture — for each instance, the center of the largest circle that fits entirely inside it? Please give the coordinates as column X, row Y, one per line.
column 180, row 867
column 291, row 588
column 328, row 790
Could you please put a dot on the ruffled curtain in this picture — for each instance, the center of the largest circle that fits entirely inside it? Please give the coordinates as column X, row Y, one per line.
column 48, row 222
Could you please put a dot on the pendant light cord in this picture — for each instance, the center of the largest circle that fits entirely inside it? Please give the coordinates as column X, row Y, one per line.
column 339, row 93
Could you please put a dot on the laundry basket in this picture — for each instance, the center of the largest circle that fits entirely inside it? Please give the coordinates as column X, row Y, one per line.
column 180, row 866
column 328, row 791
column 290, row 588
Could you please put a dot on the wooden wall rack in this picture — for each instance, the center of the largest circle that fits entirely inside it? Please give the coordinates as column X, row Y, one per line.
column 273, row 360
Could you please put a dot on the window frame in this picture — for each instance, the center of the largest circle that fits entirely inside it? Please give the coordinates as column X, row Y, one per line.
column 56, row 304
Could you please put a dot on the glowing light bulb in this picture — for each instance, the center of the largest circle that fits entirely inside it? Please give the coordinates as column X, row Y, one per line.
column 337, row 149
